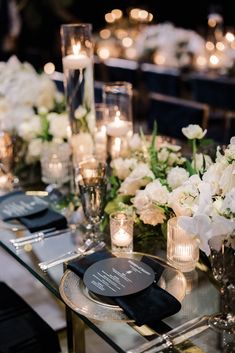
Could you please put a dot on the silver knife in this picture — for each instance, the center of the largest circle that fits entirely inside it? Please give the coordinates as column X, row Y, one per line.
column 38, row 236
column 174, row 337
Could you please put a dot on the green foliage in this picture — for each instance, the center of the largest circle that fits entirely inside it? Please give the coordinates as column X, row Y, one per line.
column 120, row 203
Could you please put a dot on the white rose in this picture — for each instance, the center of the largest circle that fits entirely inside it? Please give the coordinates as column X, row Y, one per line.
column 229, row 202
column 58, row 125
column 123, row 167
column 183, row 200
column 141, row 200
column 140, row 176
column 30, row 129
column 34, row 150
column 135, row 142
column 157, row 192
column 176, row 177
column 152, row 215
column 203, row 161
column 193, row 132
column 80, row 112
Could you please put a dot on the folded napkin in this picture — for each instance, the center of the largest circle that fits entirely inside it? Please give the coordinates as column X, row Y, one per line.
column 45, row 219
column 151, row 304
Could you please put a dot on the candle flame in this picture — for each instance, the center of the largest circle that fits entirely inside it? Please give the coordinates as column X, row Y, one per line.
column 117, row 116
column 76, row 48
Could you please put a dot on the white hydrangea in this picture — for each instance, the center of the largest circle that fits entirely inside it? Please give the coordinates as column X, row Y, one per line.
column 176, row 177
column 30, row 129
column 34, row 150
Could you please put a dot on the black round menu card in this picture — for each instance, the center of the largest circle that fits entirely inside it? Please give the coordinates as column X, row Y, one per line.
column 117, row 277
column 21, row 206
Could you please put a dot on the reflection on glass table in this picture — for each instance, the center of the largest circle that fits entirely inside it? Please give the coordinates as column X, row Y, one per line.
column 201, row 299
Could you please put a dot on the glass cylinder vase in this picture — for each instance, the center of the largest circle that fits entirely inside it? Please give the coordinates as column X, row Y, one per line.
column 118, row 98
column 77, row 52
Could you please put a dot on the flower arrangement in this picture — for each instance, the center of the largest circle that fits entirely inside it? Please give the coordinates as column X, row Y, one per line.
column 155, row 182
column 31, row 109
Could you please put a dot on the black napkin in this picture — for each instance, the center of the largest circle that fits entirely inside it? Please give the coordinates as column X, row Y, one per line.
column 151, row 304
column 39, row 221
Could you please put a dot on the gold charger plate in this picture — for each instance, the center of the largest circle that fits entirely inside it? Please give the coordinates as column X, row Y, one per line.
column 78, row 298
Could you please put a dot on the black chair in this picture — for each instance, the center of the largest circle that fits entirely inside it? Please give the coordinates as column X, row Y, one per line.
column 219, row 94
column 160, row 80
column 172, row 114
column 122, row 70
column 22, row 330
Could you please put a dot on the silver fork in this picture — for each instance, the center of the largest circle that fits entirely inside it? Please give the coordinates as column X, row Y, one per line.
column 88, row 246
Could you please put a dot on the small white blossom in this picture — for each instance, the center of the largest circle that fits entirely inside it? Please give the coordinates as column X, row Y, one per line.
column 193, row 132
column 176, row 177
column 140, row 176
column 80, row 112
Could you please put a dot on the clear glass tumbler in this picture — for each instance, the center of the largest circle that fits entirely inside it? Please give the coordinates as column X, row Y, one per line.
column 182, row 248
column 121, row 232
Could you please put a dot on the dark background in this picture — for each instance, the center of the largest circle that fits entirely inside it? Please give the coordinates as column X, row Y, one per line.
column 39, row 41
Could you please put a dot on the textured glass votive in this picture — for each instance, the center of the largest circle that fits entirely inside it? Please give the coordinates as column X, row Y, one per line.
column 182, row 248
column 121, row 231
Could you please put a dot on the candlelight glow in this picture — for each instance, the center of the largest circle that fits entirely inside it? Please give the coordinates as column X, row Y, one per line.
column 105, row 33
column 143, row 14
column 134, row 13
column 49, row 68
column 220, row 46
column 103, row 53
column 109, row 17
column 127, row 42
column 120, row 33
column 210, row 46
column 117, row 13
column 76, row 48
column 214, row 60
column 159, row 59
column 230, row 37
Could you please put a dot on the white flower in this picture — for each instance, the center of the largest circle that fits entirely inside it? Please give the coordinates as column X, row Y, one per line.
column 46, row 94
column 34, row 150
column 227, row 180
column 213, row 175
column 203, row 161
column 193, row 132
column 184, row 199
column 152, row 215
column 228, row 203
column 163, row 154
column 58, row 125
column 80, row 112
column 141, row 200
column 30, row 129
column 123, row 167
column 140, row 176
column 135, row 142
column 176, row 177
column 157, row 192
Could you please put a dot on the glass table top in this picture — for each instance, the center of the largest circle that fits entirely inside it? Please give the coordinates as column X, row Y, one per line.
column 202, row 298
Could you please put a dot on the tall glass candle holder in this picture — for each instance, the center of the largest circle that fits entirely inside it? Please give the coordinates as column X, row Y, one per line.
column 121, row 231
column 100, row 137
column 77, row 52
column 182, row 248
column 118, row 98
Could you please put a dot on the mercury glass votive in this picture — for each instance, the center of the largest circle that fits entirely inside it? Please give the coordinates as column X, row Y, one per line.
column 121, row 232
column 182, row 247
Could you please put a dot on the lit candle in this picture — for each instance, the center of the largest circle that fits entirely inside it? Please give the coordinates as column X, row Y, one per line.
column 184, row 252
column 78, row 60
column 122, row 238
column 118, row 127
column 55, row 167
